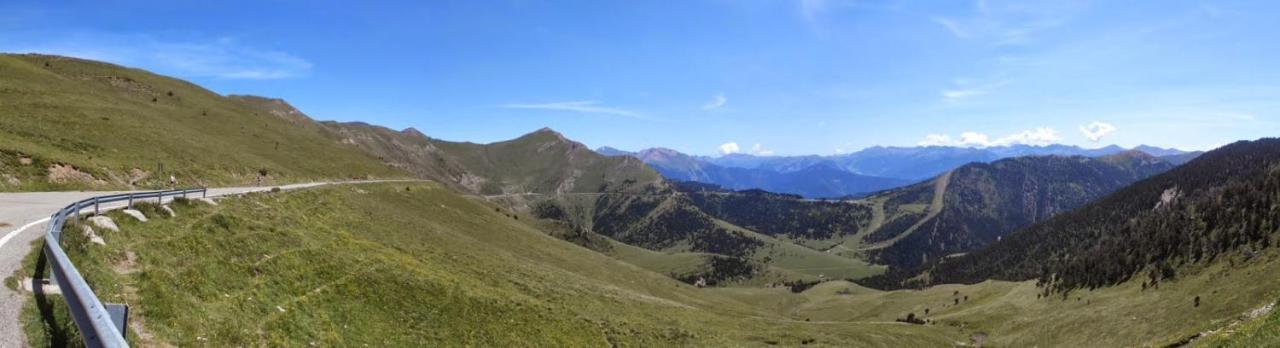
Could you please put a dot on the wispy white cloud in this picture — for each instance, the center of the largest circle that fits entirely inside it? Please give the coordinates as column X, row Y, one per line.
column 1039, row 137
column 965, row 90
column 729, row 148
column 954, row 27
column 583, row 106
column 1008, row 22
column 759, row 150
column 224, row 58
column 1096, row 130
column 929, row 140
column 716, row 102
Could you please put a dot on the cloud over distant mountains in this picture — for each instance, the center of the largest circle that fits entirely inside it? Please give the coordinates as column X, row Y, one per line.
column 1096, row 130
column 1039, row 137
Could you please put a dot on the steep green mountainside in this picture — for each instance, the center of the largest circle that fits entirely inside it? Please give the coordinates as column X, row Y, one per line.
column 409, row 265
column 67, row 123
column 1222, row 205
column 985, row 201
column 546, row 162
column 408, row 150
column 542, row 162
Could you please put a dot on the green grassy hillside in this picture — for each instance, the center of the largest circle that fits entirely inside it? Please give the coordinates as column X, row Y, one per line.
column 413, row 264
column 68, row 123
column 398, row 265
column 542, row 162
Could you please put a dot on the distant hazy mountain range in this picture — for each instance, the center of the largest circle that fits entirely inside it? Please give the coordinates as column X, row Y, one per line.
column 872, row 169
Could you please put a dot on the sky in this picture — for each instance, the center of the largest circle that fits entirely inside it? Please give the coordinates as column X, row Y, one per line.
column 768, row 77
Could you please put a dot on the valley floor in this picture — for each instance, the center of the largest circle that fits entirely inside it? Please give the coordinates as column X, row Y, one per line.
column 406, row 263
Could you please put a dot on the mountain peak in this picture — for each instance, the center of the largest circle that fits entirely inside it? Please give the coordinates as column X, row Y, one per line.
column 413, row 131
column 545, row 133
column 612, row 151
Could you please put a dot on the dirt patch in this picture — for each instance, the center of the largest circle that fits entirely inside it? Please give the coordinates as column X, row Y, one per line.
column 63, row 174
column 128, row 265
column 125, row 83
column 137, row 174
column 4, row 224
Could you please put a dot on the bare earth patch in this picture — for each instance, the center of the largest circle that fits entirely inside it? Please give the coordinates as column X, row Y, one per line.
column 61, row 174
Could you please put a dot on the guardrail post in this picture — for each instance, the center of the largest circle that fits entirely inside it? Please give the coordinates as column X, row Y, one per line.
column 130, row 201
column 95, row 207
column 204, row 192
column 120, row 316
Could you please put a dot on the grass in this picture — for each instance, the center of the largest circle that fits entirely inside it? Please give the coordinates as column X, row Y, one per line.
column 397, row 265
column 74, row 112
column 406, row 265
column 1262, row 332
column 1011, row 314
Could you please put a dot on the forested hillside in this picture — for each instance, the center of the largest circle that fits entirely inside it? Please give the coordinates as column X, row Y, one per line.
column 1222, row 206
column 983, row 202
column 787, row 215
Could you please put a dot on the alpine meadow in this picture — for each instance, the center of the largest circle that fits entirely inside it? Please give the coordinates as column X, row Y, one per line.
column 794, row 173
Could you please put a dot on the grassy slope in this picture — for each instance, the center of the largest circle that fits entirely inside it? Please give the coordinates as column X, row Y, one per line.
column 102, row 119
column 1260, row 332
column 379, row 265
column 1010, row 314
column 545, row 162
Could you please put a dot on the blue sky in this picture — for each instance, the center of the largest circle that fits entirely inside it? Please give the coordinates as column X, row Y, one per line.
column 769, row 76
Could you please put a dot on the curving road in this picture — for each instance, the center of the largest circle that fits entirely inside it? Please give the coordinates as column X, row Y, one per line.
column 23, row 218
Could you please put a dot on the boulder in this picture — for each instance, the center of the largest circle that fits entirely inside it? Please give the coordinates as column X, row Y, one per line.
column 135, row 214
column 104, row 222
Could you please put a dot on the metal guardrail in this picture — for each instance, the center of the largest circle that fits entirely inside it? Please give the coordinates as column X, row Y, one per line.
column 100, row 325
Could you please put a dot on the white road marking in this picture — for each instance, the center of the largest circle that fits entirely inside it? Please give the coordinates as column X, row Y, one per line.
column 13, row 233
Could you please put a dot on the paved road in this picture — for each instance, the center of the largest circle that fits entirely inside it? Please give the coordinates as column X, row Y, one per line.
column 26, row 215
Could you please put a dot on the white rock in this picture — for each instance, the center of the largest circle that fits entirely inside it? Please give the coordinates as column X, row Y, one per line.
column 46, row 285
column 168, row 210
column 135, row 214
column 93, row 237
column 207, row 200
column 104, row 222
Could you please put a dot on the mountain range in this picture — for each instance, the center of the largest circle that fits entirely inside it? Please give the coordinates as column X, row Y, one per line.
column 608, row 243
column 853, row 174
column 1220, row 206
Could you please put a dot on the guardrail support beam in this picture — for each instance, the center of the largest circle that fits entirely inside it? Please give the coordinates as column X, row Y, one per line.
column 119, row 316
